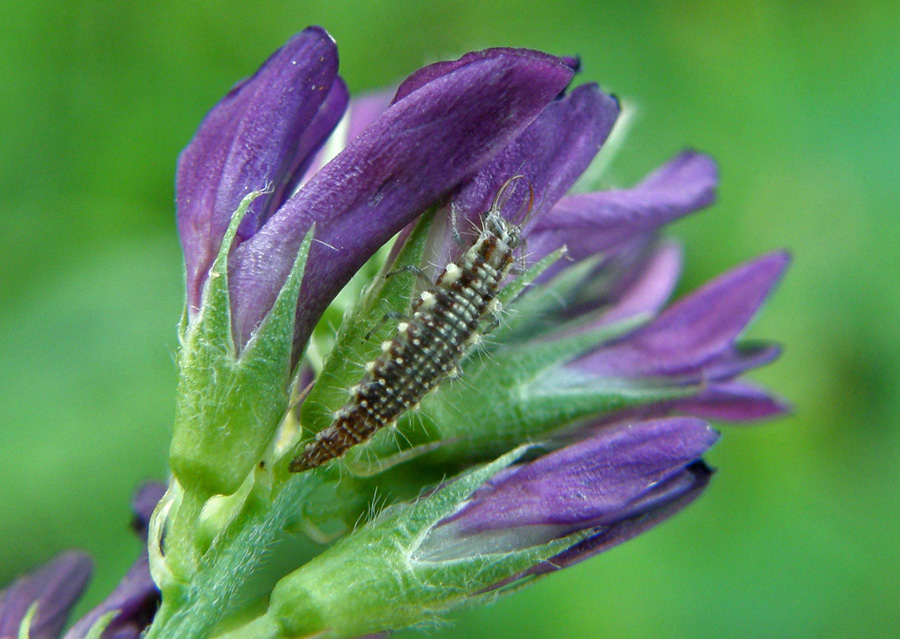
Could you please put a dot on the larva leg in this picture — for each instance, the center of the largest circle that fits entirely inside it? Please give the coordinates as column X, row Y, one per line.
column 409, row 268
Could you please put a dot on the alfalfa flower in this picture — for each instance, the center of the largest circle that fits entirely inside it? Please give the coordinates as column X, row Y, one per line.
column 585, row 398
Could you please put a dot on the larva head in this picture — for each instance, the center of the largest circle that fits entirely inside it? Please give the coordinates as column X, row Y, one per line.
column 493, row 221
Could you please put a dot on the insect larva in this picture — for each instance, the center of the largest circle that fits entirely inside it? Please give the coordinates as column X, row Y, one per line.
column 428, row 346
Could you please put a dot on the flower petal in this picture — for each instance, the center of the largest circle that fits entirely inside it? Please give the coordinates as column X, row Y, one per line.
column 678, row 494
column 55, row 588
column 136, row 599
column 732, row 401
column 143, row 504
column 412, row 155
column 592, row 223
column 696, row 330
column 433, row 72
column 359, row 114
column 736, row 360
column 552, row 153
column 648, row 290
column 590, row 482
column 310, row 144
column 250, row 141
column 365, row 109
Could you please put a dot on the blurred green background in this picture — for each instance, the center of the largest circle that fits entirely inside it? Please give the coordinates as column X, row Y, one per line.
column 798, row 101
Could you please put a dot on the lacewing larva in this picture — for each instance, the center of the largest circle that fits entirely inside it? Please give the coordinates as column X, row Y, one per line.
column 445, row 320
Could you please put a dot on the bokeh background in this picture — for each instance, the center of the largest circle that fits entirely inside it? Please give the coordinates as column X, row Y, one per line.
column 798, row 101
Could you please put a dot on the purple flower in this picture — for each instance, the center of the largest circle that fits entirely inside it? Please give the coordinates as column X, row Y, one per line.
column 592, row 364
column 692, row 348
column 585, row 368
column 57, row 586
column 452, row 134
column 628, row 469
column 54, row 588
column 445, row 122
column 613, row 484
column 694, row 339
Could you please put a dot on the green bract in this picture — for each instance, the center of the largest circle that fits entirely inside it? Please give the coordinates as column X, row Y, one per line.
column 229, row 403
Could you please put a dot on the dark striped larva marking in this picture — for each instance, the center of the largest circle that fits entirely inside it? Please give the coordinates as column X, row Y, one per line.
column 428, row 346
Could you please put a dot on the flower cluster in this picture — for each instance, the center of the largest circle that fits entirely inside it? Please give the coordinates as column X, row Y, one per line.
column 579, row 422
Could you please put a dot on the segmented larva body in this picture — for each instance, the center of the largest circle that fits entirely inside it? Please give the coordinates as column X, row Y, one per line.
column 445, row 321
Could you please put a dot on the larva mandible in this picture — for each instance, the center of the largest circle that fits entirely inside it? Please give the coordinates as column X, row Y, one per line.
column 427, row 347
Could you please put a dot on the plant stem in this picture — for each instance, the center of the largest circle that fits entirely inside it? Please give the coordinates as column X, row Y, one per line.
column 263, row 627
column 222, row 571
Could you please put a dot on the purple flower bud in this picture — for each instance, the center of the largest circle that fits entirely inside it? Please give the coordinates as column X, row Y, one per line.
column 669, row 499
column 443, row 124
column 262, row 134
column 694, row 342
column 55, row 588
column 603, row 483
column 552, row 153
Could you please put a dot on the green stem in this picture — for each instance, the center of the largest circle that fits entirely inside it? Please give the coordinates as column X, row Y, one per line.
column 263, row 627
column 223, row 569
column 181, row 551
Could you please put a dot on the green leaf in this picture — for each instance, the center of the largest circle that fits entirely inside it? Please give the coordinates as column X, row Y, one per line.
column 515, row 393
column 512, row 290
column 538, row 307
column 525, row 391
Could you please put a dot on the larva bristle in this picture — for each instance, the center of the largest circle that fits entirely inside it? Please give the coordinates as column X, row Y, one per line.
column 428, row 346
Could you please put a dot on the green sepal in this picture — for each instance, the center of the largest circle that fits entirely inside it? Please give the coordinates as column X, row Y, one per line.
column 229, row 403
column 518, row 392
column 512, row 290
column 192, row 609
column 100, row 625
column 520, row 389
column 538, row 310
column 525, row 391
column 372, row 581
column 361, row 333
column 25, row 625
